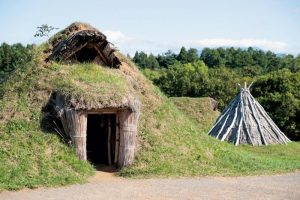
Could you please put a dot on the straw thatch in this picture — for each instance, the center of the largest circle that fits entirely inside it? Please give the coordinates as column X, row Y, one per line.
column 245, row 121
column 80, row 43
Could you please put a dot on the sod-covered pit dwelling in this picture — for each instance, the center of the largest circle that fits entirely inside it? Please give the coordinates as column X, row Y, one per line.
column 103, row 132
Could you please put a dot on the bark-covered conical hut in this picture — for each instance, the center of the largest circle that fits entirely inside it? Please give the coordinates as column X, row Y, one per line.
column 245, row 121
column 101, row 122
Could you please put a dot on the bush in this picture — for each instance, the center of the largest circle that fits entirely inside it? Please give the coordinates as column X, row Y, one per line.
column 279, row 94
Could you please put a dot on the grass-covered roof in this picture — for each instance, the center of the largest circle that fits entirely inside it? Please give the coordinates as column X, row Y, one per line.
column 90, row 86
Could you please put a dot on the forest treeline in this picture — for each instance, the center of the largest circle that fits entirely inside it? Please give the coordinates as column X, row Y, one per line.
column 211, row 72
column 217, row 73
column 264, row 61
column 13, row 57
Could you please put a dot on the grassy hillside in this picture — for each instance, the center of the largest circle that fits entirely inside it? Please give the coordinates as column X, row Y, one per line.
column 29, row 155
column 174, row 144
column 170, row 142
column 199, row 109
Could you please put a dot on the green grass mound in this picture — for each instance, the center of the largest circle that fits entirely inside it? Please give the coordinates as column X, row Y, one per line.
column 174, row 144
column 199, row 109
column 90, row 84
column 31, row 156
column 171, row 140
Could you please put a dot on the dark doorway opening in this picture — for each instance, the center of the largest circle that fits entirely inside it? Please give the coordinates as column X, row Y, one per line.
column 101, row 139
column 86, row 54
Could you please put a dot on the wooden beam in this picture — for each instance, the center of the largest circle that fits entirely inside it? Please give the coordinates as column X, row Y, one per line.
column 108, row 142
column 117, row 139
column 77, row 123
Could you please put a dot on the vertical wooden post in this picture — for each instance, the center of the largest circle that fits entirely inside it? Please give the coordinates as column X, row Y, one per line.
column 128, row 130
column 108, row 141
column 117, row 138
column 77, row 125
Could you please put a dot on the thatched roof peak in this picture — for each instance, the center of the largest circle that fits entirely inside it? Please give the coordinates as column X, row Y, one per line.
column 81, row 42
column 71, row 29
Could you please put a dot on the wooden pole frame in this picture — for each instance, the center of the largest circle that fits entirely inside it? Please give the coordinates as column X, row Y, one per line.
column 245, row 121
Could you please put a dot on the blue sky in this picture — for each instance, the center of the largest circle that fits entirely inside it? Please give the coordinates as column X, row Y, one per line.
column 158, row 25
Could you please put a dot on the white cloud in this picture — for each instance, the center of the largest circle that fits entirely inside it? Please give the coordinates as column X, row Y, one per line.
column 276, row 46
column 115, row 36
column 130, row 45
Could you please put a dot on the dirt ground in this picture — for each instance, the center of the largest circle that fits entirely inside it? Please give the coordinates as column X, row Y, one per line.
column 105, row 185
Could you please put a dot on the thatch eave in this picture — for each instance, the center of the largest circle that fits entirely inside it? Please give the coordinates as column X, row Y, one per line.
column 129, row 102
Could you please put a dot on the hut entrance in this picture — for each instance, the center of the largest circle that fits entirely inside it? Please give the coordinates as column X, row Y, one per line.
column 101, row 138
column 86, row 54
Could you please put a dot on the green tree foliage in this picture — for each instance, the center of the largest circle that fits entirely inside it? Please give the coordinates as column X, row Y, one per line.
column 212, row 57
column 183, row 55
column 239, row 58
column 167, row 59
column 296, row 66
column 153, row 75
column 273, row 61
column 140, row 59
column 249, row 71
column 44, row 30
column 145, row 61
column 152, row 62
column 232, row 58
column 279, row 93
column 192, row 55
column 184, row 79
column 187, row 56
column 288, row 61
column 222, row 85
column 13, row 57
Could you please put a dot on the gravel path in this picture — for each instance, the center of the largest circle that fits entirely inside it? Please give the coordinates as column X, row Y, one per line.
column 286, row 186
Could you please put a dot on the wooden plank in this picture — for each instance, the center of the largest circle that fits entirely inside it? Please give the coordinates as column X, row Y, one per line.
column 77, row 124
column 108, row 142
column 117, row 139
column 105, row 111
column 128, row 130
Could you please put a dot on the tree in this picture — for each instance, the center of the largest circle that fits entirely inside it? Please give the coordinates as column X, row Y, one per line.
column 152, row 62
column 183, row 56
column 44, row 30
column 272, row 61
column 222, row 85
column 192, row 55
column 136, row 58
column 13, row 57
column 296, row 66
column 278, row 92
column 140, row 59
column 287, row 61
column 184, row 79
column 260, row 59
column 211, row 57
column 250, row 71
column 167, row 59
